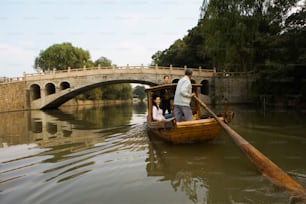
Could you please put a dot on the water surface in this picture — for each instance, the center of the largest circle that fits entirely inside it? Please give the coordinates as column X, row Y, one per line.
column 105, row 155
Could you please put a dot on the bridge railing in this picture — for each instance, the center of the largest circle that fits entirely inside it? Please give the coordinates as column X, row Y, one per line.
column 116, row 69
column 108, row 70
column 10, row 79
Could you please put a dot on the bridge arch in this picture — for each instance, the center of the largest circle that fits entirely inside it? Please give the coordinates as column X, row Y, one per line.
column 35, row 91
column 50, row 88
column 205, row 87
column 58, row 87
column 57, row 99
column 64, row 85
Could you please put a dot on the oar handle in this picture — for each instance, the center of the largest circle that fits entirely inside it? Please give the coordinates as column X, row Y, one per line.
column 263, row 164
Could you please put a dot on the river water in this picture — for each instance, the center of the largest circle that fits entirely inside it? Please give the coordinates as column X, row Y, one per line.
column 105, row 155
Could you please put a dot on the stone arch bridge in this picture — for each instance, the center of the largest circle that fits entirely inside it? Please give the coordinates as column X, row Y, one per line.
column 51, row 89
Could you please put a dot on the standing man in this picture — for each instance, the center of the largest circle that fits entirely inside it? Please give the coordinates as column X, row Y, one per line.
column 165, row 97
column 182, row 97
column 166, row 79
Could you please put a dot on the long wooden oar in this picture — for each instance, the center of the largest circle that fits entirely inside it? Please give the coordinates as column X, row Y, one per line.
column 264, row 165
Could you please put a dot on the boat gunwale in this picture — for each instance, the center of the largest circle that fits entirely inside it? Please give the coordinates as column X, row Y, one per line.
column 184, row 124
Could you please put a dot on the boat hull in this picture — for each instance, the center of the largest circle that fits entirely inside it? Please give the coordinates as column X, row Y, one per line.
column 187, row 131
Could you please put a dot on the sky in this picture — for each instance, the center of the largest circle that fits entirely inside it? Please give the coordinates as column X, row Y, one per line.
column 124, row 31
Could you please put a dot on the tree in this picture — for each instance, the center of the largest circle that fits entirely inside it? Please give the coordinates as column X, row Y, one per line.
column 108, row 92
column 235, row 35
column 157, row 58
column 126, row 92
column 103, row 61
column 140, row 92
column 62, row 56
column 267, row 37
column 117, row 91
column 186, row 51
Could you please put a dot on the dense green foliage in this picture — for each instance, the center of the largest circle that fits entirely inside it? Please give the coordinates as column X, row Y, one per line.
column 109, row 92
column 117, row 91
column 265, row 37
column 140, row 92
column 101, row 92
column 62, row 56
column 103, row 62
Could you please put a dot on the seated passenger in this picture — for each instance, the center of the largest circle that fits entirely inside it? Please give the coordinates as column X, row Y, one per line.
column 157, row 112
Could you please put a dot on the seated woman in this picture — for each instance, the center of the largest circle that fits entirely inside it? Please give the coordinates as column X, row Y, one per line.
column 157, row 112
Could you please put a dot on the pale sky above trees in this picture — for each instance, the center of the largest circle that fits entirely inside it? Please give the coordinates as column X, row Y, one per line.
column 124, row 31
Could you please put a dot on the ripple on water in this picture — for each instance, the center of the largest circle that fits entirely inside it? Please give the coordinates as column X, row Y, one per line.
column 48, row 175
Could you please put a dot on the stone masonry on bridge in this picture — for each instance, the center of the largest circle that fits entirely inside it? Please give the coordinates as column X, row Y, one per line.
column 50, row 90
column 13, row 96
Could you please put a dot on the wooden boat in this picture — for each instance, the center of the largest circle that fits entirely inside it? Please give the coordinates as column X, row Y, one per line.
column 198, row 130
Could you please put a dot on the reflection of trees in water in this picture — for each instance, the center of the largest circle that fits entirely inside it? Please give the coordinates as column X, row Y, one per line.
column 140, row 108
column 213, row 172
column 107, row 116
column 178, row 170
column 193, row 187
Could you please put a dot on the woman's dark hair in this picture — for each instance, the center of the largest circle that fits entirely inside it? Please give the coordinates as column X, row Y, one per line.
column 154, row 98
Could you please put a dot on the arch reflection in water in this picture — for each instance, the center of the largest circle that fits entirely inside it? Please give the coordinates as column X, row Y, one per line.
column 70, row 146
column 46, row 126
column 58, row 127
column 54, row 127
